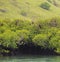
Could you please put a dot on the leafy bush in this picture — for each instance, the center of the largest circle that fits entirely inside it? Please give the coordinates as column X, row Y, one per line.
column 9, row 39
column 45, row 5
column 55, row 42
column 41, row 40
column 23, row 36
column 44, row 33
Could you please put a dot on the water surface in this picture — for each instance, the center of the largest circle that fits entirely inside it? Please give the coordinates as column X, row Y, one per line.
column 30, row 59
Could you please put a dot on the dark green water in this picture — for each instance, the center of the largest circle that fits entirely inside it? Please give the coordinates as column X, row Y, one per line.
column 31, row 59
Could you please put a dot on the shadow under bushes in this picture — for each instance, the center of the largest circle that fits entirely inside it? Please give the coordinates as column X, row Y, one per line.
column 29, row 49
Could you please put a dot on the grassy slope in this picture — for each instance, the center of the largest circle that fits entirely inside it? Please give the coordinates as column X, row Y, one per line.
column 30, row 9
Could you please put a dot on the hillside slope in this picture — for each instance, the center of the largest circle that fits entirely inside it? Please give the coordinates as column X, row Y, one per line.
column 30, row 9
column 29, row 23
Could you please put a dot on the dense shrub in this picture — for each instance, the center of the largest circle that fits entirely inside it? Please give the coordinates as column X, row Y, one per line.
column 45, row 5
column 23, row 36
column 9, row 39
column 42, row 40
column 44, row 33
column 55, row 41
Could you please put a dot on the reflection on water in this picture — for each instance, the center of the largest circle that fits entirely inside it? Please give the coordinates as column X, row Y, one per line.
column 31, row 59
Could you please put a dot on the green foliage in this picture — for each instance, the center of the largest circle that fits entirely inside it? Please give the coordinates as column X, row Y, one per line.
column 41, row 40
column 57, row 50
column 55, row 41
column 22, row 22
column 45, row 5
column 43, row 33
column 9, row 39
column 23, row 36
